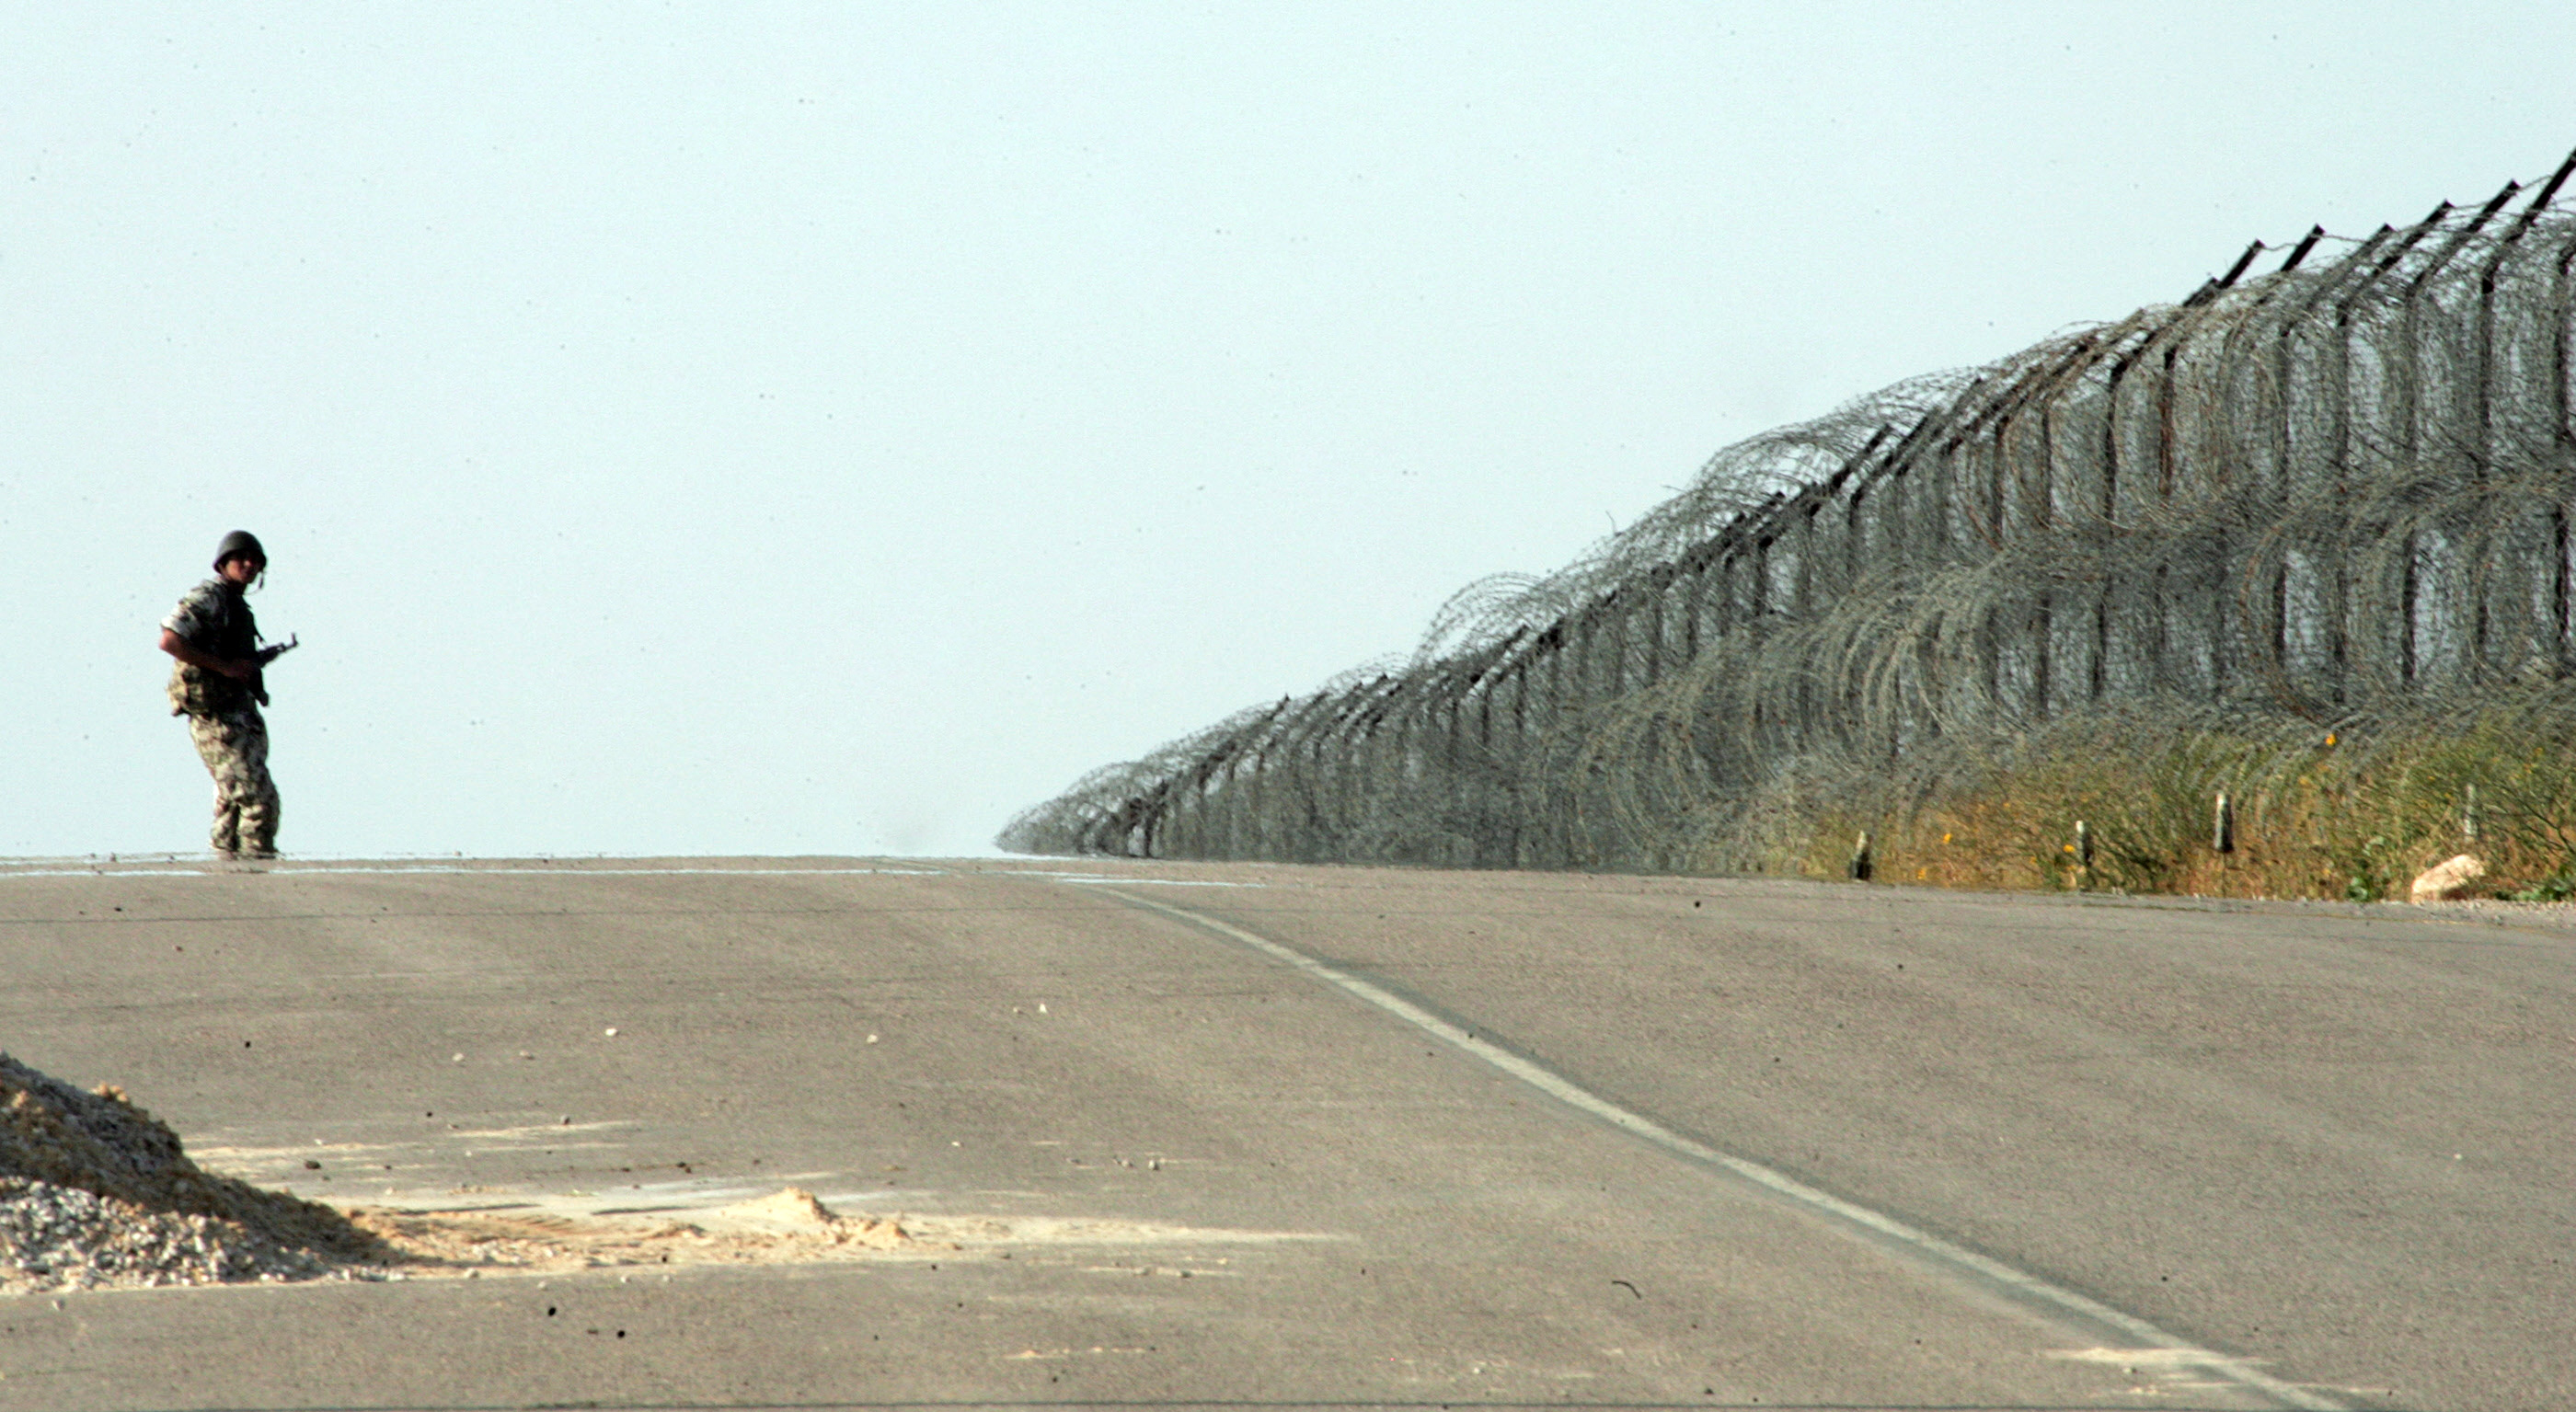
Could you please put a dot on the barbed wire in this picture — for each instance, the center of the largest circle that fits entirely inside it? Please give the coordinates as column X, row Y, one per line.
column 2334, row 496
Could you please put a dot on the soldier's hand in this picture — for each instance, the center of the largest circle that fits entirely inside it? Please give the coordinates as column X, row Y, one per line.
column 237, row 669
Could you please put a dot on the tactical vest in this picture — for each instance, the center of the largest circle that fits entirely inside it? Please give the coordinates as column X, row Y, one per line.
column 193, row 690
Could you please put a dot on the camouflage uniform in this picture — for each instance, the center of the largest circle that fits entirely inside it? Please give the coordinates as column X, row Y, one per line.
column 223, row 716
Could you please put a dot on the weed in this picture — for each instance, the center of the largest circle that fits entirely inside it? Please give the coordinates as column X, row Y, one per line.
column 2350, row 813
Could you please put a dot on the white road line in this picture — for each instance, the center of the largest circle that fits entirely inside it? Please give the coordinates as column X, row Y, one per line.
column 2084, row 1319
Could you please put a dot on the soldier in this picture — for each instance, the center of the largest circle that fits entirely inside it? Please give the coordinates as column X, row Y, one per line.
column 217, row 684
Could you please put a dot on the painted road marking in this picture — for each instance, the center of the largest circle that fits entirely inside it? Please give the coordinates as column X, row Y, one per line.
column 2082, row 1319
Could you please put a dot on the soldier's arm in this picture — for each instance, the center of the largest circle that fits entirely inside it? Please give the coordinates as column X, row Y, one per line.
column 234, row 667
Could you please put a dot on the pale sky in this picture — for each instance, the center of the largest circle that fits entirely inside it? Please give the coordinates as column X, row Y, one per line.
column 827, row 428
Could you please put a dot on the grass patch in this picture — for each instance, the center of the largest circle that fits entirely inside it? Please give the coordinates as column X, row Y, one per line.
column 2351, row 812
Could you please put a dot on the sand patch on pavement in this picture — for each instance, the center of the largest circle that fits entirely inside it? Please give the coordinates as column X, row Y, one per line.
column 791, row 1226
column 96, row 1193
column 544, row 1235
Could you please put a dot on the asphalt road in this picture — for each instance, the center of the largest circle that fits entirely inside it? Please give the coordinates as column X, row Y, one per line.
column 1292, row 1136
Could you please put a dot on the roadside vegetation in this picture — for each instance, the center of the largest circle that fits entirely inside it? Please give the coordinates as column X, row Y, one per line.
column 2352, row 812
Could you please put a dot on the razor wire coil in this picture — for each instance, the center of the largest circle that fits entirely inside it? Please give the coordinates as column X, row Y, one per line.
column 2333, row 494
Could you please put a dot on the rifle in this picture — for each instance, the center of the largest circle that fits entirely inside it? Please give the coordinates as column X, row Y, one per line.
column 259, row 666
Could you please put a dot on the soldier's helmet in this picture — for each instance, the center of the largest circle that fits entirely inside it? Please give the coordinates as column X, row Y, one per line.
column 240, row 544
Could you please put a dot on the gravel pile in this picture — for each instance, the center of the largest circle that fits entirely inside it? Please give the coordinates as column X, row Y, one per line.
column 95, row 1192
column 61, row 1237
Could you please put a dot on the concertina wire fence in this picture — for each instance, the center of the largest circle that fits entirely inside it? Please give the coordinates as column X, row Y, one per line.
column 2331, row 497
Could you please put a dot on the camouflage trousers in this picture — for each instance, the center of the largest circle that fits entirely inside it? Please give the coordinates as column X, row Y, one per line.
column 235, row 749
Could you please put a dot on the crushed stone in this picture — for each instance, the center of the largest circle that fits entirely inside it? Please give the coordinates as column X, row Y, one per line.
column 61, row 1237
column 96, row 1192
